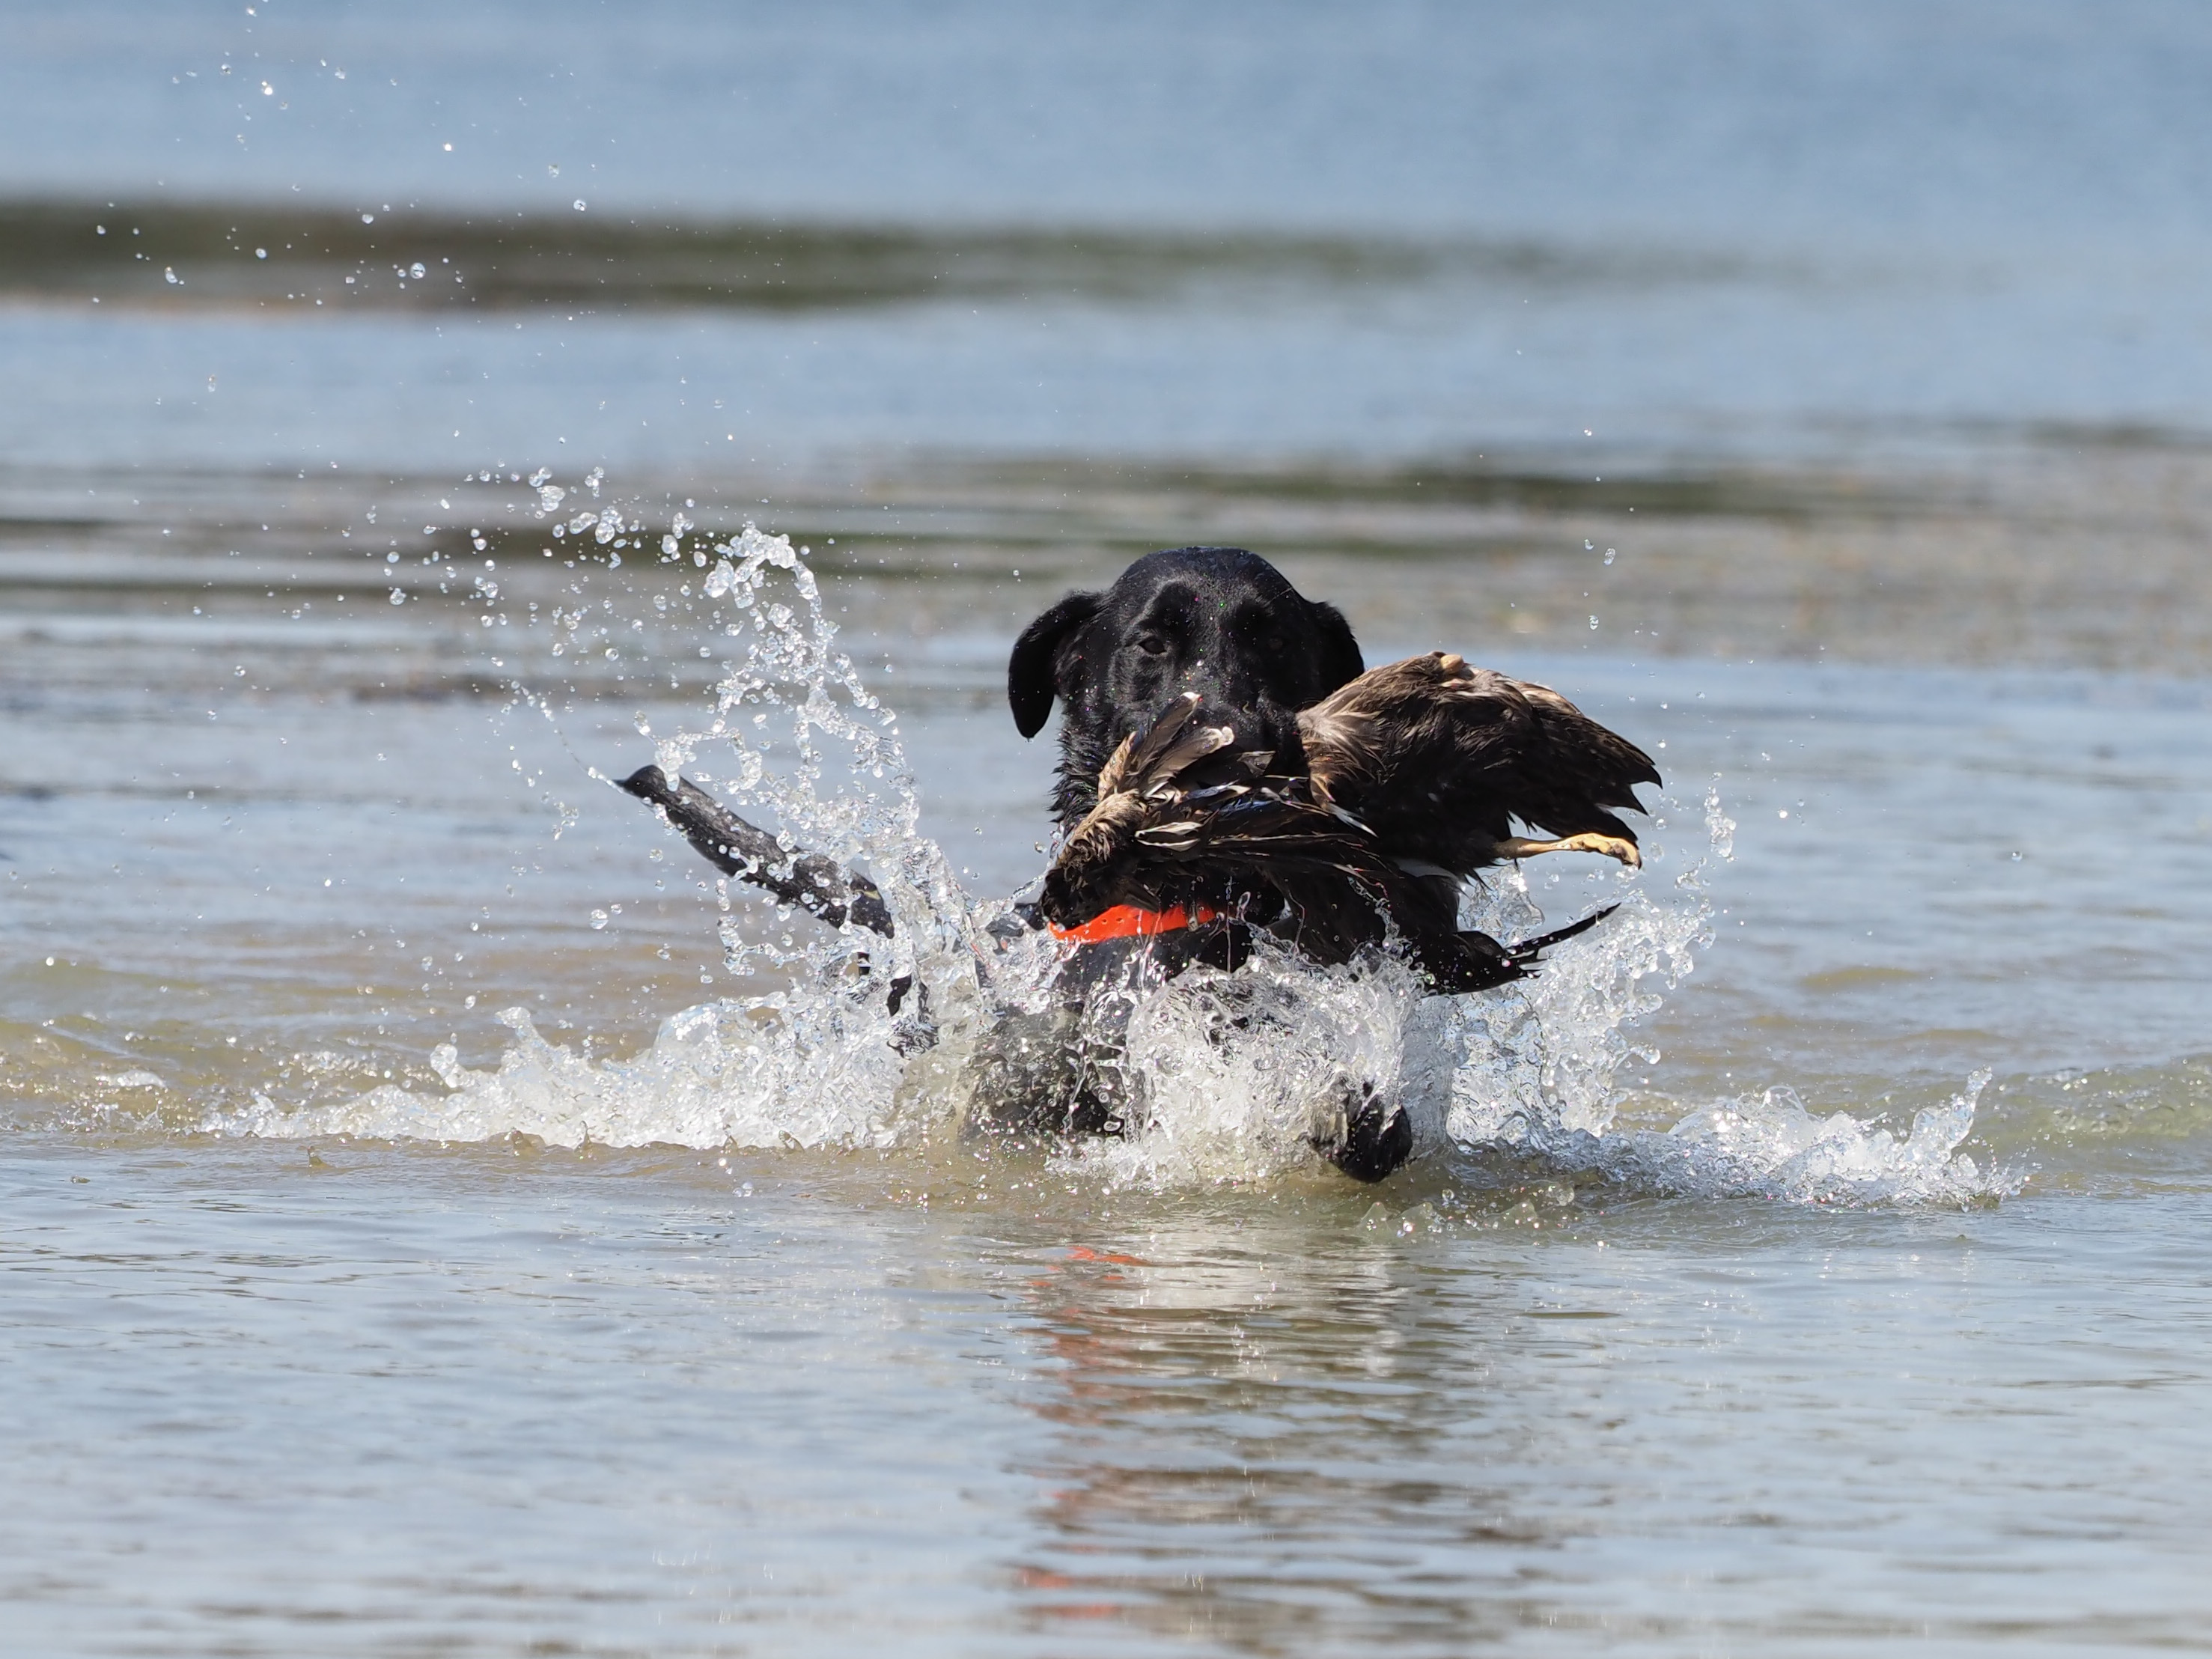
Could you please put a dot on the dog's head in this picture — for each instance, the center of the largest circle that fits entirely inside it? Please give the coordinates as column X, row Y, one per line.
column 1218, row 621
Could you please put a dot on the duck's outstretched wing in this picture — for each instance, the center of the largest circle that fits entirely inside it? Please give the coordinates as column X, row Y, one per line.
column 820, row 886
column 1437, row 758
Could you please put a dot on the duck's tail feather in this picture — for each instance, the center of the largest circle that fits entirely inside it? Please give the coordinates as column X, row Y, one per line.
column 1529, row 948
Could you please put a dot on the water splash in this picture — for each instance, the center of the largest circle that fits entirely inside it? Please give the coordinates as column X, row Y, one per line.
column 1228, row 1078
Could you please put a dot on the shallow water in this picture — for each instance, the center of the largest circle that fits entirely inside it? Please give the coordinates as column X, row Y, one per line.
column 369, row 1400
column 1671, row 1365
column 422, row 1231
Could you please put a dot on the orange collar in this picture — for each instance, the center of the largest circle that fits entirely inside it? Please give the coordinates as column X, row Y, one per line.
column 1131, row 921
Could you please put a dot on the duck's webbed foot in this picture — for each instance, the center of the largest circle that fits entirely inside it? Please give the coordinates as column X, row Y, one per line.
column 1612, row 847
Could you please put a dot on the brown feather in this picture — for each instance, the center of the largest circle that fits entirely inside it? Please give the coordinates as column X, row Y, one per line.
column 1416, row 773
column 1438, row 758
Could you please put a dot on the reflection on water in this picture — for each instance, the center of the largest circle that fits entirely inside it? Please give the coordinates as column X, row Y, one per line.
column 1269, row 1439
column 273, row 1400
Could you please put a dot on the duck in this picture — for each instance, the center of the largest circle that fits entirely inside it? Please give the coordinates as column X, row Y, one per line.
column 1410, row 780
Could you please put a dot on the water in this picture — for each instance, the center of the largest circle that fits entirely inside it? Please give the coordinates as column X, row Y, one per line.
column 437, row 1220
column 613, row 1347
column 1723, row 228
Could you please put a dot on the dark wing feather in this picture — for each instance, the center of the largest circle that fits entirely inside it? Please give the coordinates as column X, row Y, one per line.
column 1438, row 758
column 1586, row 768
column 1162, row 847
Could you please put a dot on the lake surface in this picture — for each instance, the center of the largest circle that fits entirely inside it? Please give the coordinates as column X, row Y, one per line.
column 436, row 1219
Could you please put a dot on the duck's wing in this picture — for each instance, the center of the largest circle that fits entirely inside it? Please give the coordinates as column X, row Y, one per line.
column 1271, row 817
column 1438, row 758
column 1583, row 770
column 1338, row 893
column 1155, row 850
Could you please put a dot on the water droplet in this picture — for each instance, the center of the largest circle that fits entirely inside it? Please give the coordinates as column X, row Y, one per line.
column 369, row 218
column 169, row 275
column 261, row 253
column 579, row 204
column 1608, row 555
column 398, row 596
column 599, row 918
column 415, row 271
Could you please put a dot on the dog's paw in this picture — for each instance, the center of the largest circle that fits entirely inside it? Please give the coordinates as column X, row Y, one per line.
column 1377, row 1137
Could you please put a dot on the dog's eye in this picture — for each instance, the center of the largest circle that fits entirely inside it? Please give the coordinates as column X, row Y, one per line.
column 1152, row 645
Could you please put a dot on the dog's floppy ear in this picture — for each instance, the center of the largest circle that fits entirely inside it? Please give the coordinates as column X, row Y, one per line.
column 1341, row 662
column 1031, row 683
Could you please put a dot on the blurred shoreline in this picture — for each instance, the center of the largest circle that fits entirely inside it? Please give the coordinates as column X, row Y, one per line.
column 169, row 254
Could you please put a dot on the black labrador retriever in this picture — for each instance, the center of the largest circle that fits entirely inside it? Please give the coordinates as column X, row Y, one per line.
column 1218, row 622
